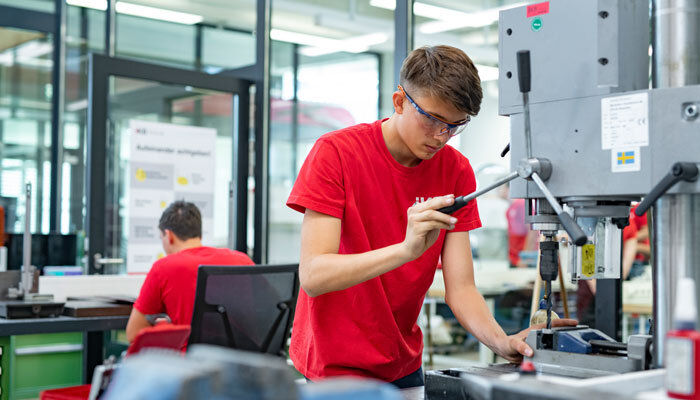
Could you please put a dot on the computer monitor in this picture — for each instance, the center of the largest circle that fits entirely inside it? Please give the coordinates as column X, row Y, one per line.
column 245, row 307
column 47, row 249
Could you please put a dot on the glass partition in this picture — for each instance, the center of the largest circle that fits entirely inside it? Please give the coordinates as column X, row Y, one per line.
column 327, row 72
column 25, row 125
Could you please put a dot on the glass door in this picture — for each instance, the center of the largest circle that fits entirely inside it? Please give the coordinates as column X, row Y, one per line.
column 161, row 135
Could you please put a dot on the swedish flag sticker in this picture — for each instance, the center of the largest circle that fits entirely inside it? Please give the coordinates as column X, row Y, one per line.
column 625, row 157
column 626, row 160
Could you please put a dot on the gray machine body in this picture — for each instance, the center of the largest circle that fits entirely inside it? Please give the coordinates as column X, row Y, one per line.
column 569, row 85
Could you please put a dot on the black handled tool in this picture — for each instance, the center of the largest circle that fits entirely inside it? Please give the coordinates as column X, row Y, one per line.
column 681, row 171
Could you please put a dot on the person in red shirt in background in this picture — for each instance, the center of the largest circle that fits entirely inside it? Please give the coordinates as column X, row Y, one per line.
column 585, row 298
column 520, row 236
column 371, row 234
column 643, row 246
column 171, row 283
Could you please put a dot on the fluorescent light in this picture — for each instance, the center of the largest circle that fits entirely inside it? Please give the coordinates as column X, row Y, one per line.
column 94, row 4
column 466, row 20
column 356, row 44
column 300, row 38
column 158, row 13
column 448, row 19
column 486, row 72
column 141, row 11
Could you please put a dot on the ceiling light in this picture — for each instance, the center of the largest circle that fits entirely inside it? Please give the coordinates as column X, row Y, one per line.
column 357, row 44
column 141, row 11
column 158, row 13
column 448, row 19
column 300, row 38
column 94, row 4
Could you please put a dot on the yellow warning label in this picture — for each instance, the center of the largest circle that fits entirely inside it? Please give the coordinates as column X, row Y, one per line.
column 140, row 175
column 182, row 180
column 588, row 259
column 163, row 204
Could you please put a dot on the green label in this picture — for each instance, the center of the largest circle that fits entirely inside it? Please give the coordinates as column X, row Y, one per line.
column 536, row 24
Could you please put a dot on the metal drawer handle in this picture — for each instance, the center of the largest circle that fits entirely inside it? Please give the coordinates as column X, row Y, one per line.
column 48, row 349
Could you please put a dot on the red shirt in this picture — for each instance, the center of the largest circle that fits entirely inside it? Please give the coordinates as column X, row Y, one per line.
column 370, row 329
column 517, row 229
column 171, row 283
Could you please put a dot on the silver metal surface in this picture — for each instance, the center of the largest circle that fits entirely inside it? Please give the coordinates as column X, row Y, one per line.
column 675, row 220
column 49, row 349
column 99, row 260
column 492, row 186
column 528, row 133
column 27, row 280
column 547, row 194
column 675, row 253
column 676, row 30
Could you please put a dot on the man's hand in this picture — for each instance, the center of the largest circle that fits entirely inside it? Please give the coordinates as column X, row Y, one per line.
column 425, row 223
column 513, row 347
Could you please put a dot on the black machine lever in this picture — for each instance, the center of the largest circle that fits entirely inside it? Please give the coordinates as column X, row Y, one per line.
column 681, row 171
column 524, row 70
column 505, row 150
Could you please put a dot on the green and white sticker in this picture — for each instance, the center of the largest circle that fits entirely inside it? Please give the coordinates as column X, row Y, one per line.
column 536, row 24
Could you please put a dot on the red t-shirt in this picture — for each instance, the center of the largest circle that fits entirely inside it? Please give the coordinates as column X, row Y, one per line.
column 171, row 283
column 370, row 329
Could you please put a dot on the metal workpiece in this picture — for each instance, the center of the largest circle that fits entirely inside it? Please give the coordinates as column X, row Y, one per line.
column 582, row 360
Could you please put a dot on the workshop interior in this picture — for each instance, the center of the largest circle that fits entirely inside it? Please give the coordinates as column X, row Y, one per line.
column 585, row 153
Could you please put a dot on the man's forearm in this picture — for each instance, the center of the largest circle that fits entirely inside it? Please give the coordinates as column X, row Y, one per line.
column 327, row 273
column 471, row 311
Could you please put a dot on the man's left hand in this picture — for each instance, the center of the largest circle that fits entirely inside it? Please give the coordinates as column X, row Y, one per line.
column 514, row 347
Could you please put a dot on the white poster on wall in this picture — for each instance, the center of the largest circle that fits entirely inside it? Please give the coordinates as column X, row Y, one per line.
column 167, row 162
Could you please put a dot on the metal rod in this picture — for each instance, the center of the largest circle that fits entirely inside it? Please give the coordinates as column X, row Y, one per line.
column 490, row 187
column 526, row 116
column 548, row 295
column 547, row 194
column 26, row 281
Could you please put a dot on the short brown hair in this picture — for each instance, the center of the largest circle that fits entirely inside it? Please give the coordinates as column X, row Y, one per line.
column 444, row 72
column 183, row 219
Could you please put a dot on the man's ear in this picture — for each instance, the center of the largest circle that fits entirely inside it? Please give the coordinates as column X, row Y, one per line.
column 170, row 236
column 398, row 100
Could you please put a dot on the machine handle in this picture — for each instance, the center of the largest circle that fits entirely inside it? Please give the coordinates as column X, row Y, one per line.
column 570, row 226
column 575, row 232
column 681, row 171
column 523, row 58
column 505, row 150
column 463, row 200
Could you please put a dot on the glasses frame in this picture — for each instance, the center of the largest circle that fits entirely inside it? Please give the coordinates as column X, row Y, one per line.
column 448, row 125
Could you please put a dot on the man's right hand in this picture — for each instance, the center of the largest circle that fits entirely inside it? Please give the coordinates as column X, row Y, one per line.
column 425, row 223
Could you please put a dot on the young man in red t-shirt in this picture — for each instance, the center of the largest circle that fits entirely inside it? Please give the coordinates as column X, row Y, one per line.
column 372, row 235
column 171, row 283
